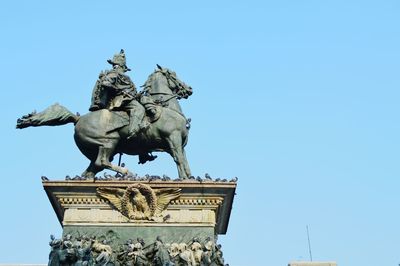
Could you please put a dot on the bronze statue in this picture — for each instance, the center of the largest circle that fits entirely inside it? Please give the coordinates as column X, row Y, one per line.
column 102, row 253
column 111, row 127
column 90, row 251
column 161, row 255
column 197, row 250
column 186, row 257
column 138, row 255
column 114, row 90
column 54, row 256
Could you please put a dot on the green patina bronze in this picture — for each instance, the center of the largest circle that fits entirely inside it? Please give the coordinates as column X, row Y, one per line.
column 124, row 121
column 110, row 248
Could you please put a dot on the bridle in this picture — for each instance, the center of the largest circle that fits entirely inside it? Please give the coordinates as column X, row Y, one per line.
column 173, row 95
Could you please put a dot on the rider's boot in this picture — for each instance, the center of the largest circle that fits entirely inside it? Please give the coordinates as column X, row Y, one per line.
column 146, row 157
column 136, row 124
column 94, row 107
column 134, row 121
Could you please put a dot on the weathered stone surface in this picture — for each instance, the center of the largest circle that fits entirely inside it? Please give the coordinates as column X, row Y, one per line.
column 77, row 203
column 97, row 228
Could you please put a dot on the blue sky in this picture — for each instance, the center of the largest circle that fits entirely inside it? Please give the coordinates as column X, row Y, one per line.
column 299, row 99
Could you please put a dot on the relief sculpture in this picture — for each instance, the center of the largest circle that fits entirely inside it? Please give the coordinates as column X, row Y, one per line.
column 139, row 201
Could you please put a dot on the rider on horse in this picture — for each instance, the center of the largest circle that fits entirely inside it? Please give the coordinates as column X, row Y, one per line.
column 114, row 90
column 104, row 132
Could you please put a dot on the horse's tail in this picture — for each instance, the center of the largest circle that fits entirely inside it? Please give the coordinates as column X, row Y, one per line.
column 55, row 115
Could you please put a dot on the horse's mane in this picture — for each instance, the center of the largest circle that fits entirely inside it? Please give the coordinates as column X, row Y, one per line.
column 150, row 79
column 180, row 89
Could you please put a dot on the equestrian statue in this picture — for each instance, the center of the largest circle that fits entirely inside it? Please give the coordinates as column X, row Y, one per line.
column 124, row 121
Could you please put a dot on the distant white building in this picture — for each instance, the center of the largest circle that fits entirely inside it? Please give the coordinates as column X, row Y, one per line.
column 312, row 263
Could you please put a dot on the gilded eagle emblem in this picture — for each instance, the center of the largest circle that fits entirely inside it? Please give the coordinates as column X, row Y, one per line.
column 139, row 201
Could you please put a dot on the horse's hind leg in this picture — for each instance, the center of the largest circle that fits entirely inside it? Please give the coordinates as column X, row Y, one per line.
column 91, row 171
column 186, row 164
column 103, row 161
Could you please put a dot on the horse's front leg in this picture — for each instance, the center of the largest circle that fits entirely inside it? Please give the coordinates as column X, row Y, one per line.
column 91, row 171
column 186, row 164
column 178, row 154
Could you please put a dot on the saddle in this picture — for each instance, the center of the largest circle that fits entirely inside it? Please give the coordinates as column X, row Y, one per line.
column 152, row 110
column 121, row 118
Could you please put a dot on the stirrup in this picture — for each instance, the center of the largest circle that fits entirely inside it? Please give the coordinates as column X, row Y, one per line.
column 131, row 135
column 144, row 125
column 146, row 157
column 94, row 108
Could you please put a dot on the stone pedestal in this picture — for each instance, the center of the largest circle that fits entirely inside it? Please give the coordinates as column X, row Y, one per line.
column 202, row 210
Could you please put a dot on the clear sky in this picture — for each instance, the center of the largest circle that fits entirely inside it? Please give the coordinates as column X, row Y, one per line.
column 299, row 99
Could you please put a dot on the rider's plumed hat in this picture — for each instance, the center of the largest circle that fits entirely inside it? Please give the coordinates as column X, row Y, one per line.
column 120, row 60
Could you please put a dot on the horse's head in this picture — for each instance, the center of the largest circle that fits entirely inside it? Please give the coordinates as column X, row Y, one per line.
column 180, row 88
column 177, row 87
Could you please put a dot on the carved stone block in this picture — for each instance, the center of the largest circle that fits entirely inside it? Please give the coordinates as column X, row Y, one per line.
column 175, row 210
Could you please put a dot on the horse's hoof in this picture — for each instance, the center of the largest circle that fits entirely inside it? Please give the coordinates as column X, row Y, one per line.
column 86, row 176
column 129, row 173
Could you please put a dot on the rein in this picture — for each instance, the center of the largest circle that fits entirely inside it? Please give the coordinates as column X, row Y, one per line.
column 178, row 84
column 167, row 100
column 167, row 75
column 171, row 95
column 163, row 93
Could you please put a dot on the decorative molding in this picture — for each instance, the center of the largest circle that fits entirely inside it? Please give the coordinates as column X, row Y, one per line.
column 68, row 199
column 206, row 204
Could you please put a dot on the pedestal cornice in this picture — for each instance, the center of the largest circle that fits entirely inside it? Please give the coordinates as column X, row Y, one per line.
column 200, row 203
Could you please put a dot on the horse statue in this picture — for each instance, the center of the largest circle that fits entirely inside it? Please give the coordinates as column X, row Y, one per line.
column 102, row 134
